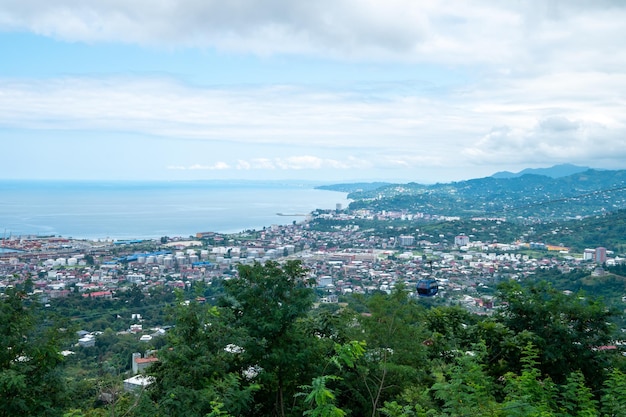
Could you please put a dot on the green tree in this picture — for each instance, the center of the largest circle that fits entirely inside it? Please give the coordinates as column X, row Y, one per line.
column 448, row 330
column 566, row 330
column 527, row 393
column 89, row 260
column 467, row 389
column 269, row 302
column 614, row 395
column 246, row 356
column 393, row 327
column 29, row 285
column 31, row 380
column 135, row 296
column 320, row 399
column 201, row 365
column 576, row 398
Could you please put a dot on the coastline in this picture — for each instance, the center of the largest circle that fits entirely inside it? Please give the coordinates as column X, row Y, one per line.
column 149, row 210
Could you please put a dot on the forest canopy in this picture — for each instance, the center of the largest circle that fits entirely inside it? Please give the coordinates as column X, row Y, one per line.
column 265, row 348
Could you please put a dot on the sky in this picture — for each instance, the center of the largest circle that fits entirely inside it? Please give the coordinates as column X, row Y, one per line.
column 326, row 90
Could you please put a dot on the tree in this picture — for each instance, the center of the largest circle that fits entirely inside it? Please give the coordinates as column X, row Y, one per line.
column 201, row 365
column 448, row 332
column 614, row 398
column 527, row 393
column 319, row 398
column 566, row 330
column 467, row 389
column 576, row 398
column 29, row 285
column 393, row 328
column 31, row 381
column 89, row 260
column 246, row 356
column 268, row 302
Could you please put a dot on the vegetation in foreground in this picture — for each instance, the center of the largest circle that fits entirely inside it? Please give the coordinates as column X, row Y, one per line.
column 263, row 350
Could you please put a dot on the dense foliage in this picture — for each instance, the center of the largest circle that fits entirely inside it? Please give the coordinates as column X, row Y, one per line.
column 264, row 350
column 31, row 382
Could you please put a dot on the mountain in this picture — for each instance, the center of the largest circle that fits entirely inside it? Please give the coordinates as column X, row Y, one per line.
column 353, row 187
column 556, row 171
column 529, row 196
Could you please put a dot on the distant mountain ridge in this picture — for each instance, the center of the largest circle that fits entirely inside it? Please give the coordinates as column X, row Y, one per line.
column 582, row 194
column 556, row 171
column 354, row 187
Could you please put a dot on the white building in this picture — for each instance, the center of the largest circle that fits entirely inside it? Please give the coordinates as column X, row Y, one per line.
column 137, row 382
column 87, row 341
column 135, row 278
column 589, row 254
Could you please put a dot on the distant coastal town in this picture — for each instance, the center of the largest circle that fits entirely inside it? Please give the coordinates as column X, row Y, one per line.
column 342, row 259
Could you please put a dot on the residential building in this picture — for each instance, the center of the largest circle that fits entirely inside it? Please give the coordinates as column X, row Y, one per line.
column 600, row 255
column 137, row 382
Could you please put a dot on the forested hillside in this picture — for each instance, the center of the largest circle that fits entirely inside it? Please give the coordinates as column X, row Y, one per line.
column 529, row 196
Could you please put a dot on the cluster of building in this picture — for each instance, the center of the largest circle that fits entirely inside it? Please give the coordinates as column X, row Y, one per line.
column 342, row 261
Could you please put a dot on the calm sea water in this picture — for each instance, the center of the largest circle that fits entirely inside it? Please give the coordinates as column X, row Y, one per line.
column 140, row 210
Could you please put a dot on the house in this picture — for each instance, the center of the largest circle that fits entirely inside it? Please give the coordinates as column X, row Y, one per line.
column 137, row 382
column 139, row 363
column 87, row 341
column 461, row 240
column 99, row 294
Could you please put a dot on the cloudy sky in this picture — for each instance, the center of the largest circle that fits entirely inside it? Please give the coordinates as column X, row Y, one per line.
column 332, row 90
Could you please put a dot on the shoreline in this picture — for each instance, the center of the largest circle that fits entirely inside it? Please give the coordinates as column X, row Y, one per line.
column 128, row 213
column 127, row 237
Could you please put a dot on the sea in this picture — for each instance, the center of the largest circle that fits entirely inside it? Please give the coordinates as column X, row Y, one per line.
column 121, row 210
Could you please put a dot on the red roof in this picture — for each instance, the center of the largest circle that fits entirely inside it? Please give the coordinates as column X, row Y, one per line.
column 98, row 294
column 610, row 347
column 147, row 360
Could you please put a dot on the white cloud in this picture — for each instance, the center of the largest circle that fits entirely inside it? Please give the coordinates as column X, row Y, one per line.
column 218, row 166
column 492, row 121
column 278, row 115
column 296, row 163
column 553, row 140
column 261, row 163
column 537, row 33
column 538, row 81
column 314, row 162
column 243, row 165
column 413, row 161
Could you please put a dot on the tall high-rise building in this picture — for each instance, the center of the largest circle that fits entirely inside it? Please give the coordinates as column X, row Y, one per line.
column 600, row 255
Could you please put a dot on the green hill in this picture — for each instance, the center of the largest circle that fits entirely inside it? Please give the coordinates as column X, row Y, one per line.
column 527, row 197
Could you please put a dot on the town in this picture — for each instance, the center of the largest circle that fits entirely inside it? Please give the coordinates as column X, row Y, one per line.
column 343, row 261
